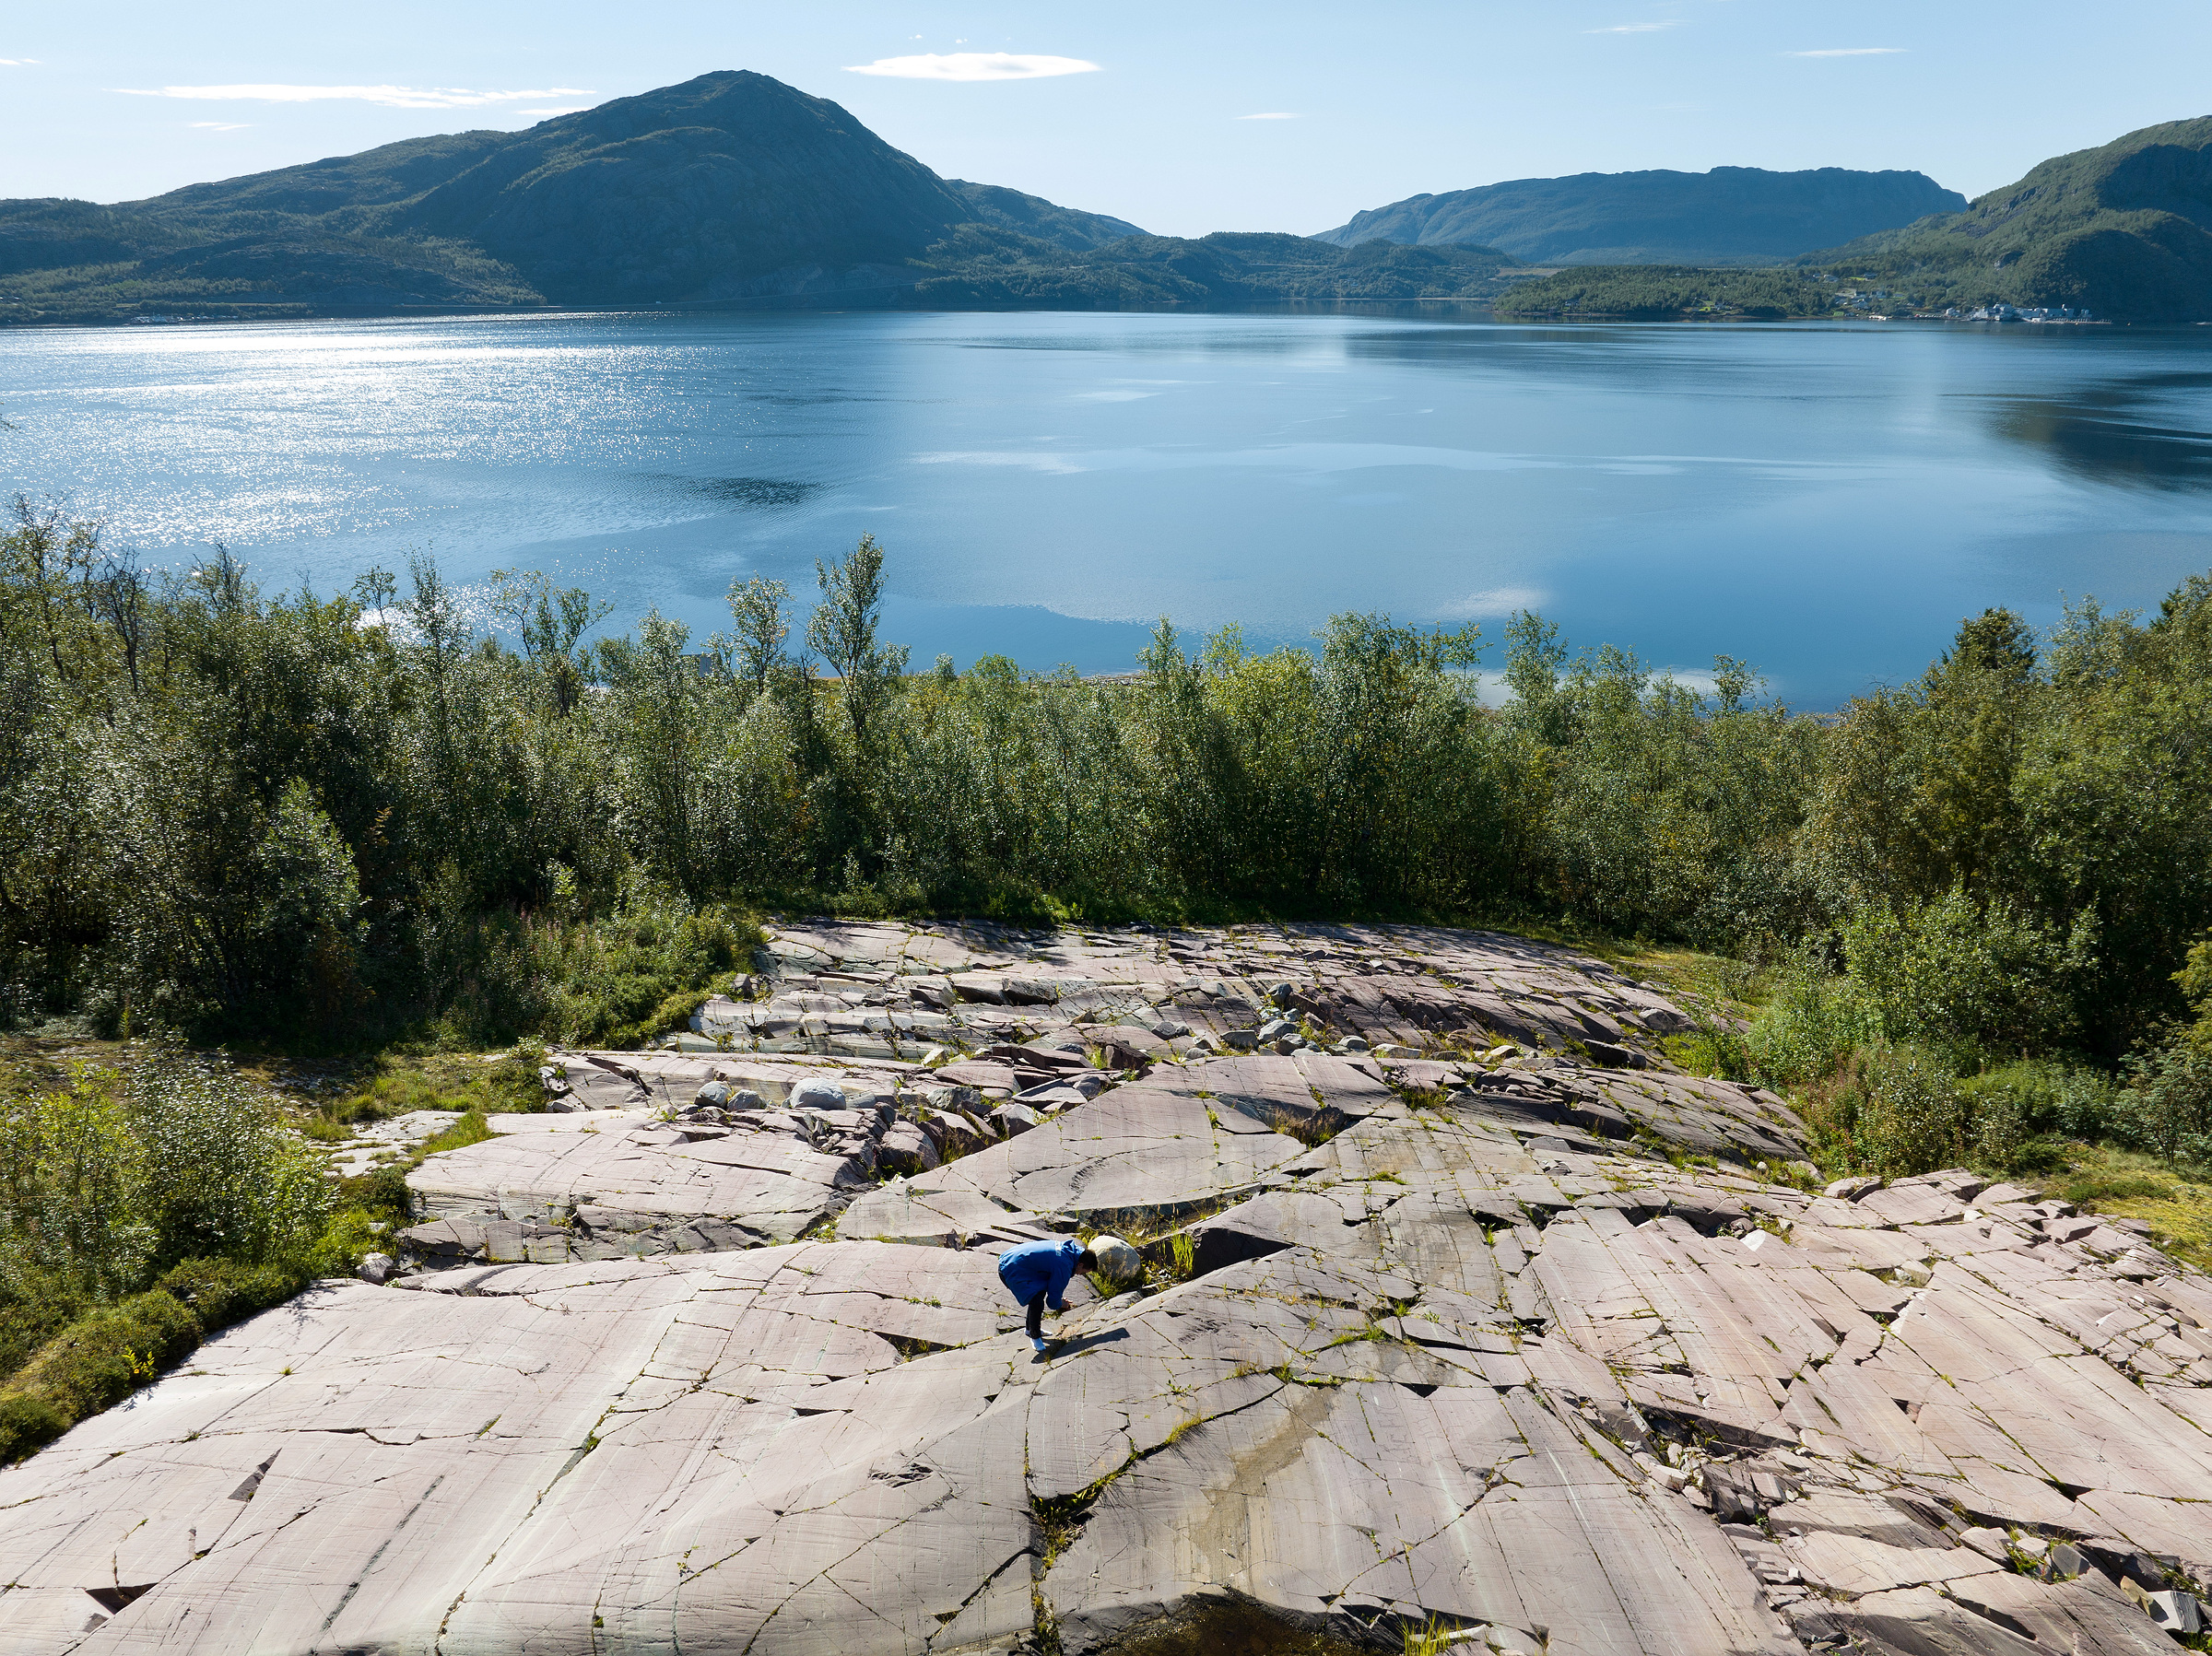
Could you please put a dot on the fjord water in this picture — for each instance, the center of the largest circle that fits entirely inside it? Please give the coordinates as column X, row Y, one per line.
column 1825, row 501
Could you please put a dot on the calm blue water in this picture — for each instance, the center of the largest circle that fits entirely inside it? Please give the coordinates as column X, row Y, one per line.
column 1826, row 500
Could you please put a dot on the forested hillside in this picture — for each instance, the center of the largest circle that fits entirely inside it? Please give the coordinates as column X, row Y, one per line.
column 1661, row 293
column 2124, row 230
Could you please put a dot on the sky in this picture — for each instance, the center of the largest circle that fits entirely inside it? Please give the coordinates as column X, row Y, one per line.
column 1182, row 118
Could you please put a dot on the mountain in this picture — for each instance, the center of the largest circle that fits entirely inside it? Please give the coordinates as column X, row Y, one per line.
column 731, row 186
column 1034, row 216
column 981, row 268
column 732, row 189
column 2123, row 231
column 1729, row 216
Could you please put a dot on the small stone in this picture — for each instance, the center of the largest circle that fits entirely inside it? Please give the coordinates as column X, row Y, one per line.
column 1989, row 1542
column 2064, row 1562
column 714, row 1093
column 814, row 1093
column 2177, row 1612
column 1850, row 1190
column 374, row 1268
column 907, row 1149
column 1279, row 994
column 1117, row 1260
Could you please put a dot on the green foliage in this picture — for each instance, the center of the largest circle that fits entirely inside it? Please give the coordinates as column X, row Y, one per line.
column 219, row 1292
column 2121, row 230
column 166, row 1162
column 2166, row 1107
column 338, row 821
column 843, row 629
column 1810, row 1029
column 1663, row 292
column 73, row 1176
column 167, row 1158
column 1913, row 1119
column 1976, row 975
column 27, row 1425
column 109, row 1353
column 224, row 1173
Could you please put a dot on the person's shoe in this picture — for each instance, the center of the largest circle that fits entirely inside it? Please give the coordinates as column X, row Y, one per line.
column 1038, row 1341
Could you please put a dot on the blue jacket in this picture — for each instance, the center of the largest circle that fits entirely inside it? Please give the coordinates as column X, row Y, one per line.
column 1035, row 1268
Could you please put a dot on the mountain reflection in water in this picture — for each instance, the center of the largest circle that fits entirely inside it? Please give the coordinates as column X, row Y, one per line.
column 1824, row 500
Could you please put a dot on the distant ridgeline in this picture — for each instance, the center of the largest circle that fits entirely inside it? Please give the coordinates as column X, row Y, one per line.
column 2125, row 231
column 1729, row 216
column 732, row 189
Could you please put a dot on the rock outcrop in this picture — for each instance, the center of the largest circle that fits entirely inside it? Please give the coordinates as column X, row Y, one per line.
column 1456, row 1332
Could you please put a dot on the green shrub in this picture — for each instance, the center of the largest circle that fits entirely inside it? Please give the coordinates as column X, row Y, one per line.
column 28, row 1319
column 73, row 1173
column 1913, row 1120
column 2015, row 1110
column 382, row 1194
column 2039, row 1157
column 27, row 1425
column 107, row 1354
column 1809, row 1028
column 1956, row 971
column 225, row 1173
column 2165, row 1107
column 219, row 1292
column 1711, row 1050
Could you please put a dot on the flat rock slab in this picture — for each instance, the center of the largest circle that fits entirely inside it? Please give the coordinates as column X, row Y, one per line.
column 1429, row 1338
column 557, row 1187
column 1160, row 1131
column 892, row 991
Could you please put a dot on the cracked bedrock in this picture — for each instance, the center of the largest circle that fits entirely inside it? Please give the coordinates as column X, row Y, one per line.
column 1483, row 1357
column 1026, row 1028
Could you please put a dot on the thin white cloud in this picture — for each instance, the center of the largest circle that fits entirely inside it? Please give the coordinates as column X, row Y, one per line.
column 972, row 66
column 1849, row 52
column 1272, row 115
column 400, row 98
column 1637, row 28
column 219, row 126
column 18, row 63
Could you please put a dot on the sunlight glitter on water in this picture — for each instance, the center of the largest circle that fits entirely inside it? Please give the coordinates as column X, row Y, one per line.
column 1826, row 500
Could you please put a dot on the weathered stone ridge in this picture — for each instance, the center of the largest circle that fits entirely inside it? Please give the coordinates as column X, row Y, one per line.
column 1430, row 1341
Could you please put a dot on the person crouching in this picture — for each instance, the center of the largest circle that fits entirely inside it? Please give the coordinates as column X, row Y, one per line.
column 1037, row 1274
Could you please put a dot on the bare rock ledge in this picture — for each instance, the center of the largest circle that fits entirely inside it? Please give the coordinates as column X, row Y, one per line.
column 1440, row 1335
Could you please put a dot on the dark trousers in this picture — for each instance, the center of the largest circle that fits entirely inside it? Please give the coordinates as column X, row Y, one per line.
column 1037, row 1316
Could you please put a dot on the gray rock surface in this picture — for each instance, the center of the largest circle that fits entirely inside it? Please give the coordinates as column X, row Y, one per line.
column 1423, row 1340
